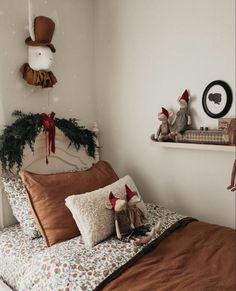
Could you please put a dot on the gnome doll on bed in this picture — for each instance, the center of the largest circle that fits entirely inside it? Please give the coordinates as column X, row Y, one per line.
column 121, row 218
column 128, row 215
column 136, row 215
column 141, row 234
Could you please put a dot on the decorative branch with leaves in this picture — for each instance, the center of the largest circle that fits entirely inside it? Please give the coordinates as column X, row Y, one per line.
column 25, row 130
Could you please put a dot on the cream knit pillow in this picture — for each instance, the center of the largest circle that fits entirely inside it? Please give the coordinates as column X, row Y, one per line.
column 94, row 220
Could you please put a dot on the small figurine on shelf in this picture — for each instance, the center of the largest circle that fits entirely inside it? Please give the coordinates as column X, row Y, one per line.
column 163, row 133
column 183, row 120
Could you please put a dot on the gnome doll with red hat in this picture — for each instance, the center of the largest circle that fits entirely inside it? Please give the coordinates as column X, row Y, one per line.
column 183, row 120
column 136, row 215
column 40, row 52
column 122, row 223
column 127, row 215
column 163, row 132
column 129, row 218
column 137, row 219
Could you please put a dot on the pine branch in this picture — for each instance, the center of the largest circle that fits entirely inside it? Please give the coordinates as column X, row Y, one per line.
column 78, row 135
column 24, row 131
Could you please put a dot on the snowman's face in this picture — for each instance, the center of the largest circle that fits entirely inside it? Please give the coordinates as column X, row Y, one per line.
column 40, row 58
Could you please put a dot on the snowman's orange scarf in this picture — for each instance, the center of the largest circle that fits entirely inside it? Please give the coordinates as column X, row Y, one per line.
column 38, row 78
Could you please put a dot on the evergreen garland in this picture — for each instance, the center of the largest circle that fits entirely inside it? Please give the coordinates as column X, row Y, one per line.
column 78, row 135
column 25, row 130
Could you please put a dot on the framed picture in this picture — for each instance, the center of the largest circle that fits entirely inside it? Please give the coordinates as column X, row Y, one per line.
column 217, row 99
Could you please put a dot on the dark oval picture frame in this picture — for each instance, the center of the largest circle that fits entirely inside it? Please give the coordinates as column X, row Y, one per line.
column 215, row 97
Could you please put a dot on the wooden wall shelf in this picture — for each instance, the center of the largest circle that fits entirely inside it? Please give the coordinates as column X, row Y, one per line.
column 193, row 146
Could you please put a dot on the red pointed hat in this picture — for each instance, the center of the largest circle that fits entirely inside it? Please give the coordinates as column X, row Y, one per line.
column 112, row 199
column 185, row 96
column 165, row 112
column 130, row 194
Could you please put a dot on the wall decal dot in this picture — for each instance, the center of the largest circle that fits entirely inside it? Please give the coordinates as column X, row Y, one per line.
column 55, row 99
column 19, row 85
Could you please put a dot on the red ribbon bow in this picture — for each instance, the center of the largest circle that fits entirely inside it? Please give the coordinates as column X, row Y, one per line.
column 49, row 129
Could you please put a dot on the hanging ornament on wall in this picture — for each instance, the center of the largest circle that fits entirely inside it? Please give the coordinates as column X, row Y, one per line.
column 26, row 128
column 40, row 51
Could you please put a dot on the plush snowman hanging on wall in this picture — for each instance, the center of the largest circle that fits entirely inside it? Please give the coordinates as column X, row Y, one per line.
column 40, row 52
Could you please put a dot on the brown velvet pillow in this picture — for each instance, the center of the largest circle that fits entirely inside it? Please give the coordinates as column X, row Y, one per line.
column 47, row 194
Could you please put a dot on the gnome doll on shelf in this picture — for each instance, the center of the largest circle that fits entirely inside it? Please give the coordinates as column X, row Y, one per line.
column 183, row 120
column 163, row 132
column 40, row 52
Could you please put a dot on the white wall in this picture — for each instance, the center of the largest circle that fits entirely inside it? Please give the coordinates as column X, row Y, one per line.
column 74, row 59
column 147, row 53
column 73, row 95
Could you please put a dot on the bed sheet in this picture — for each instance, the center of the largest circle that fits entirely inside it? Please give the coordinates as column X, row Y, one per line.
column 27, row 264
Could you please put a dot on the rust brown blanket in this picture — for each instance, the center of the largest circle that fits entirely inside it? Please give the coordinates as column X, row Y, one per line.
column 197, row 257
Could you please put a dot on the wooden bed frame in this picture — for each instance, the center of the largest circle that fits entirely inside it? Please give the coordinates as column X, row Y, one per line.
column 65, row 159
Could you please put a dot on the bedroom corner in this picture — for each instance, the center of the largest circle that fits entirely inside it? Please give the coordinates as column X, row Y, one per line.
column 147, row 54
column 117, row 141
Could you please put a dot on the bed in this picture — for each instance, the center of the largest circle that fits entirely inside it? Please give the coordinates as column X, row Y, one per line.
column 184, row 254
column 192, row 256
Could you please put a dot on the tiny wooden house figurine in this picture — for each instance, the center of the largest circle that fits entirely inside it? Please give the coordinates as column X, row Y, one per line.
column 40, row 52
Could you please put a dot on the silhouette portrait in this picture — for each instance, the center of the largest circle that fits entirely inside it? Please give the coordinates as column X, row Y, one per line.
column 215, row 97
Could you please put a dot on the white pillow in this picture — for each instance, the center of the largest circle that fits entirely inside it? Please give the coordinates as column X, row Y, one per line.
column 93, row 219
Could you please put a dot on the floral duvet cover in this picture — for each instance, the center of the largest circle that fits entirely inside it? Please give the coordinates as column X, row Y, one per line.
column 27, row 264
